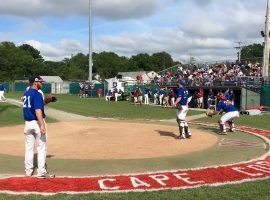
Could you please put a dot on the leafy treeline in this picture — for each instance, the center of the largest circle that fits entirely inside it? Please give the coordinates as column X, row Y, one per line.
column 19, row 62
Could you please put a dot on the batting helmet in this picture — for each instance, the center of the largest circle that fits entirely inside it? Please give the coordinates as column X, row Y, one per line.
column 221, row 96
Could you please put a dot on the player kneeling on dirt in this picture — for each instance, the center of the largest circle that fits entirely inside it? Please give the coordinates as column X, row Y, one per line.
column 231, row 113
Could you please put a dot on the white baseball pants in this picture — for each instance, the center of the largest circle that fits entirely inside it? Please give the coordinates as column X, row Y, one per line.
column 2, row 95
column 146, row 99
column 229, row 116
column 32, row 135
column 182, row 113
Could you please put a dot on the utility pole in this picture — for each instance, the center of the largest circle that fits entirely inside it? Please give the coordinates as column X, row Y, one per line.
column 265, row 69
column 90, row 41
column 239, row 48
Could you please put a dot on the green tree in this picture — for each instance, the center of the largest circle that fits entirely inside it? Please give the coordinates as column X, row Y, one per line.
column 253, row 52
column 108, row 64
column 141, row 62
column 15, row 63
column 32, row 51
column 161, row 61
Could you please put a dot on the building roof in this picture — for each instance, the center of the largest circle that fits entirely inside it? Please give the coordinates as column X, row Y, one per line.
column 133, row 75
column 52, row 79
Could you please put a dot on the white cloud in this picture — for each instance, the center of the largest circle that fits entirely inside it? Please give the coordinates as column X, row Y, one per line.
column 57, row 52
column 172, row 41
column 108, row 9
column 207, row 29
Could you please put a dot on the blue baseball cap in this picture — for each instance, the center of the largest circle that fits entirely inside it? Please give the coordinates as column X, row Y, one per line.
column 35, row 79
column 182, row 82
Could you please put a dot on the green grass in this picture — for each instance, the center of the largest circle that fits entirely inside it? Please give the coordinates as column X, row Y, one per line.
column 12, row 115
column 258, row 121
column 259, row 190
column 100, row 108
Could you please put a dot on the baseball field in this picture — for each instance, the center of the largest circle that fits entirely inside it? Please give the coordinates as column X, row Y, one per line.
column 120, row 145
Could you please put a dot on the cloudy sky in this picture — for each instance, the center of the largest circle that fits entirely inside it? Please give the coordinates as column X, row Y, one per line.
column 205, row 29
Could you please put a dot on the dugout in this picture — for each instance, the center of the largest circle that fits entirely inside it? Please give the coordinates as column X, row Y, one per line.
column 265, row 96
column 91, row 90
column 238, row 91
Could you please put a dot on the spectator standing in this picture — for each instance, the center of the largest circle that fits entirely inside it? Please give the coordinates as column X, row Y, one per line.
column 166, row 97
column 171, row 97
column 99, row 92
column 136, row 95
column 211, row 99
column 200, row 98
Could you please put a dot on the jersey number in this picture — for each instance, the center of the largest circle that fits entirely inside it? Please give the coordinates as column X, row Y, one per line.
column 26, row 102
column 185, row 94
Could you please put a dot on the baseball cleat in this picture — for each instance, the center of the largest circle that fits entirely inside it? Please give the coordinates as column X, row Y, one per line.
column 222, row 133
column 180, row 137
column 233, row 130
column 28, row 175
column 46, row 176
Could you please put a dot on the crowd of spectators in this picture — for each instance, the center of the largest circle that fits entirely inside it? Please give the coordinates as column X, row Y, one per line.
column 209, row 75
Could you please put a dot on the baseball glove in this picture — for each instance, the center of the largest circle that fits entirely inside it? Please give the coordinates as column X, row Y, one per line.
column 49, row 98
column 209, row 113
column 179, row 107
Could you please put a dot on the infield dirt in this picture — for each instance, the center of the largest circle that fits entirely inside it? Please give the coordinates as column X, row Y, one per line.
column 101, row 139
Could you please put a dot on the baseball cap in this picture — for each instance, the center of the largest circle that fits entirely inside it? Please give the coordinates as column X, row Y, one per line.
column 182, row 82
column 35, row 79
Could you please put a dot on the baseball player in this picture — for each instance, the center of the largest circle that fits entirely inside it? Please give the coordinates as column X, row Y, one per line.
column 35, row 129
column 231, row 113
column 2, row 91
column 146, row 95
column 181, row 103
column 161, row 95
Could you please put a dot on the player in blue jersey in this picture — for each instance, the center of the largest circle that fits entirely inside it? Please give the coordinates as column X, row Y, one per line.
column 2, row 91
column 231, row 113
column 35, row 129
column 181, row 103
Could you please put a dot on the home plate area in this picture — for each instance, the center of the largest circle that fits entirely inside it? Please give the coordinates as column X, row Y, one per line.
column 179, row 179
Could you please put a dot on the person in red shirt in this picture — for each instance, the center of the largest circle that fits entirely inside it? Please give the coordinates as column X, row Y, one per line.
column 135, row 95
column 80, row 93
column 99, row 92
column 200, row 98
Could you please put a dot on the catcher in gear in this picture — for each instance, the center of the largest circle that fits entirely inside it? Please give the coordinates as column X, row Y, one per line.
column 231, row 113
column 181, row 104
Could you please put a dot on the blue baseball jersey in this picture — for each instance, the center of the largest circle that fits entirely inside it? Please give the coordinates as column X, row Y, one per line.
column 2, row 88
column 227, row 95
column 222, row 105
column 146, row 90
column 184, row 95
column 32, row 100
column 161, row 92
